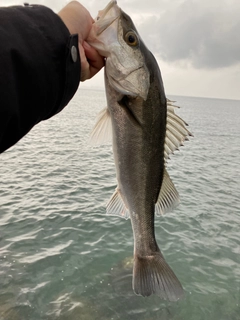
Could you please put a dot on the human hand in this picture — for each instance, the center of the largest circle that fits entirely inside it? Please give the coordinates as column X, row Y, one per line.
column 78, row 20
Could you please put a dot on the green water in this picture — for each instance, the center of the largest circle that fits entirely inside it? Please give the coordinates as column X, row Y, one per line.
column 62, row 258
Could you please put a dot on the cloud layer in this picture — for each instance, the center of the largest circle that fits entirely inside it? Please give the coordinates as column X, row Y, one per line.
column 196, row 42
column 204, row 34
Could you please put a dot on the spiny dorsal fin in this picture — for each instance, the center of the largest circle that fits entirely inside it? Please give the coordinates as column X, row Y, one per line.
column 176, row 132
column 116, row 206
column 102, row 131
column 168, row 196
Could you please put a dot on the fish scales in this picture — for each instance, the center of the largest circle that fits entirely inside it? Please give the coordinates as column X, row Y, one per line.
column 137, row 114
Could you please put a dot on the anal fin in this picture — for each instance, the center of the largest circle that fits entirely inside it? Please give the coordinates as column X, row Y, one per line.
column 116, row 206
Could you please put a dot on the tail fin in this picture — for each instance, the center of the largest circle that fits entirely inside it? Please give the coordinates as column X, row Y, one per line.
column 152, row 275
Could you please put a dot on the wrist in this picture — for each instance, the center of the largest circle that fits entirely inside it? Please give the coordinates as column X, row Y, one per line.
column 77, row 19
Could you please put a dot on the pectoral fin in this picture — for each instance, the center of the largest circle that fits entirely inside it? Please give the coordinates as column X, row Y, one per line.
column 102, row 131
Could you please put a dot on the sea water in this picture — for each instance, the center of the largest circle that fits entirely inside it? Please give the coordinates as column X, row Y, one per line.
column 62, row 258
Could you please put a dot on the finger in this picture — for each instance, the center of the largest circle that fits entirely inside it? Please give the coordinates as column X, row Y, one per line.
column 85, row 67
column 95, row 60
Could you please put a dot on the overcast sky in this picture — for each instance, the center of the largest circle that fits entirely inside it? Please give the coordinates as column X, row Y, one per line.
column 196, row 42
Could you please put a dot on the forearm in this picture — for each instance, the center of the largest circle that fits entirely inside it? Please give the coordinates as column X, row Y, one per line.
column 38, row 74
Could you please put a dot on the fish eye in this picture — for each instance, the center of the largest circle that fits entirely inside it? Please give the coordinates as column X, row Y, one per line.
column 131, row 38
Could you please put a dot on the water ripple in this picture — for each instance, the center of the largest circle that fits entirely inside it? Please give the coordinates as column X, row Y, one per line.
column 61, row 255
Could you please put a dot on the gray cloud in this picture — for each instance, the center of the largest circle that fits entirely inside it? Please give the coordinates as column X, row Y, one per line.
column 200, row 33
column 204, row 34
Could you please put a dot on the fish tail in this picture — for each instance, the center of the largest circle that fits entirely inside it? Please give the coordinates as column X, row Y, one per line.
column 152, row 275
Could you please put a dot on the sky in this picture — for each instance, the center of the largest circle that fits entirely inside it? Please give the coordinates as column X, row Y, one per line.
column 196, row 42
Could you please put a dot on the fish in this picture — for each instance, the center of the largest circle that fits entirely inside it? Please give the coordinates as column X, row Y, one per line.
column 145, row 130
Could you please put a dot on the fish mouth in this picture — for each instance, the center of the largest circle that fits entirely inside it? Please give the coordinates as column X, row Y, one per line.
column 107, row 16
column 102, row 13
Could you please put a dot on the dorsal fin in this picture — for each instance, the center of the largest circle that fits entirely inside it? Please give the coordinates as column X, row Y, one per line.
column 176, row 132
column 168, row 197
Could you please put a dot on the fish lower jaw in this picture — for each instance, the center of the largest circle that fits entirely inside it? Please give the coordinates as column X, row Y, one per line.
column 117, row 86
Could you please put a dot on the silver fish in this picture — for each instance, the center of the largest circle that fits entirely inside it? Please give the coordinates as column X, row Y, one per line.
column 145, row 130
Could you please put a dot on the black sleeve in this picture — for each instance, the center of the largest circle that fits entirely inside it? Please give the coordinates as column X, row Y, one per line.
column 39, row 69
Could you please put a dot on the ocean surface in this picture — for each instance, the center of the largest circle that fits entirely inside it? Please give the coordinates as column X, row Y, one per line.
column 63, row 258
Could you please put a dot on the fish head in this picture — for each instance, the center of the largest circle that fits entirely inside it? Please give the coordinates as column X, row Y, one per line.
column 115, row 37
